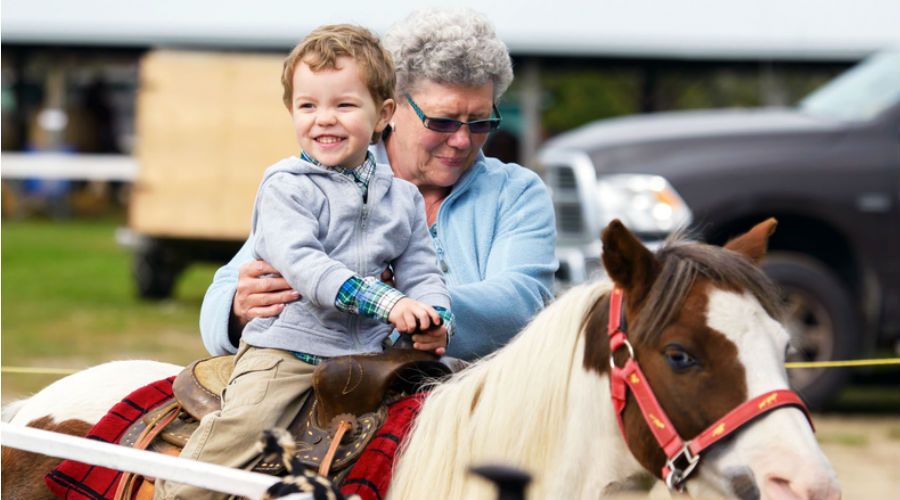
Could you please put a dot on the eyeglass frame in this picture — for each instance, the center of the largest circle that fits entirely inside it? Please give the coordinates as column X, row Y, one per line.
column 494, row 122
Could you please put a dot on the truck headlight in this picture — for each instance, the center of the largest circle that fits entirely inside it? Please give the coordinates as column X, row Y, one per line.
column 646, row 204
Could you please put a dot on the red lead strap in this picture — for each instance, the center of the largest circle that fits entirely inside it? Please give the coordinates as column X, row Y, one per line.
column 681, row 456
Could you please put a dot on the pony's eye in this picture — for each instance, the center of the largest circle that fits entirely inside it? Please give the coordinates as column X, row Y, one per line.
column 679, row 359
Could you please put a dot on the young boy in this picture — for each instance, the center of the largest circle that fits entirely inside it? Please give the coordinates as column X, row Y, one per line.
column 330, row 222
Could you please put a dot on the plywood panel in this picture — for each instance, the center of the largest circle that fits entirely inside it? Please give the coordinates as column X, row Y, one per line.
column 208, row 125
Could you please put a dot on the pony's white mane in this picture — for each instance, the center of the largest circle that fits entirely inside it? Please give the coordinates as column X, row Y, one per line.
column 510, row 407
column 10, row 409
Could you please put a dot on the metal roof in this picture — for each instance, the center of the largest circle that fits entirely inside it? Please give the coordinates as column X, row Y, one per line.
column 732, row 29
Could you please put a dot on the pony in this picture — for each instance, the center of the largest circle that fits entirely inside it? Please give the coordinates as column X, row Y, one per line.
column 702, row 323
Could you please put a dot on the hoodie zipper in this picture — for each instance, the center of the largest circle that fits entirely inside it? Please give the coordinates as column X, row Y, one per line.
column 360, row 255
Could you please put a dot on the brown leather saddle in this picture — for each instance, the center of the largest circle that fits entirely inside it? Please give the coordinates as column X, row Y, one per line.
column 346, row 408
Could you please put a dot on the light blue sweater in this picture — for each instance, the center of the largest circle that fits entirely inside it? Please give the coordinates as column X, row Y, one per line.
column 495, row 237
column 310, row 223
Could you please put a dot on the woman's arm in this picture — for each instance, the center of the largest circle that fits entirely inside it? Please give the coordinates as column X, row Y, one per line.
column 518, row 276
column 216, row 311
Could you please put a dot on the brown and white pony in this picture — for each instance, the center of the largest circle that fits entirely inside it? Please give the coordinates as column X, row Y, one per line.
column 702, row 321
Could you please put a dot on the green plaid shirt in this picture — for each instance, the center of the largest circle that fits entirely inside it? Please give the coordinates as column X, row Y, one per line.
column 311, row 359
column 367, row 297
column 359, row 175
column 370, row 297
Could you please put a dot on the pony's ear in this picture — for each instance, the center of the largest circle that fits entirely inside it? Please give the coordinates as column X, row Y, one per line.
column 627, row 261
column 753, row 243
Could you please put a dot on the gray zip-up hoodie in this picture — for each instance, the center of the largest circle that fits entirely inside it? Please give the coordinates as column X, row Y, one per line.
column 310, row 223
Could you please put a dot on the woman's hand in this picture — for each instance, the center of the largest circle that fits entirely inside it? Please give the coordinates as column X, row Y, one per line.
column 387, row 277
column 258, row 296
column 433, row 339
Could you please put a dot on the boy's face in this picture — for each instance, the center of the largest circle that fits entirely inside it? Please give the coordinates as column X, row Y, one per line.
column 334, row 114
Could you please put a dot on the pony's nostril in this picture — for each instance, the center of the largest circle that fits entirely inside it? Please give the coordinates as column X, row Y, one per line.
column 780, row 489
column 777, row 488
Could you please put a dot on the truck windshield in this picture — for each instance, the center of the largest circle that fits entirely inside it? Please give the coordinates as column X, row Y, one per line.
column 860, row 93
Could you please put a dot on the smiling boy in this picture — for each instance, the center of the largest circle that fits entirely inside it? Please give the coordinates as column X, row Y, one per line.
column 330, row 221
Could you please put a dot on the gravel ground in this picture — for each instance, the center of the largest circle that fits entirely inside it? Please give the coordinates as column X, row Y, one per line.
column 865, row 453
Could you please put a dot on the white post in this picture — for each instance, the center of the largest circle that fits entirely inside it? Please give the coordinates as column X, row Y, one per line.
column 529, row 81
column 213, row 477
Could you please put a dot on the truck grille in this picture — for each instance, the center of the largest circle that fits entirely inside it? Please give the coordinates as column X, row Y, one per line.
column 568, row 218
column 565, row 178
column 564, row 186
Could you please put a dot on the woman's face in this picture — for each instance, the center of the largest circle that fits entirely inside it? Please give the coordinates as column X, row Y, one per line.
column 432, row 159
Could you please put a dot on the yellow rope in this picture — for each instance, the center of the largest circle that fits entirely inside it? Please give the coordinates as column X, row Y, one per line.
column 793, row 364
column 837, row 364
column 37, row 371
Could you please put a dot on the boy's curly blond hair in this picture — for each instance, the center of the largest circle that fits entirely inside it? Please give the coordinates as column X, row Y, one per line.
column 324, row 45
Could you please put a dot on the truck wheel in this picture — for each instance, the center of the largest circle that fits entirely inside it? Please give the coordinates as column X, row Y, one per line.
column 820, row 318
column 155, row 270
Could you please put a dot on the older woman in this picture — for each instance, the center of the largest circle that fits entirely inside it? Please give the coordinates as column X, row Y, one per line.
column 491, row 222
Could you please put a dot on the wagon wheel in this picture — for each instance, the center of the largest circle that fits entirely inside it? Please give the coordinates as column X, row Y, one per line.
column 156, row 268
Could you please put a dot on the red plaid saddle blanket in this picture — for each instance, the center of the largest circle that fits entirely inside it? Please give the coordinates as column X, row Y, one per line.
column 73, row 480
column 368, row 478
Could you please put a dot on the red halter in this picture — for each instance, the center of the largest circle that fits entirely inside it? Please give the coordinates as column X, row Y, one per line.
column 681, row 456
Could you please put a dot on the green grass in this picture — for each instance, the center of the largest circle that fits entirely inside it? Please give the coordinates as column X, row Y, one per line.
column 68, row 300
column 894, row 433
column 843, row 438
column 870, row 395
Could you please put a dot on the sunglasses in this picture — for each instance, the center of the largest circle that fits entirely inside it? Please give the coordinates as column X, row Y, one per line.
column 449, row 125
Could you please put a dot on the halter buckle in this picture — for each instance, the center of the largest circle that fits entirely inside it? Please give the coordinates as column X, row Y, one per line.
column 627, row 344
column 677, row 474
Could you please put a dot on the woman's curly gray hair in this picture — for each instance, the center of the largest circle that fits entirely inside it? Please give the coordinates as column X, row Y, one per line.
column 454, row 46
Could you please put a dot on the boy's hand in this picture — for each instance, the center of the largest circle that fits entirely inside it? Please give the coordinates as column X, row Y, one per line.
column 409, row 315
column 421, row 320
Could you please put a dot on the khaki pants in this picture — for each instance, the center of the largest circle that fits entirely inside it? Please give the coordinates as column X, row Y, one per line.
column 266, row 390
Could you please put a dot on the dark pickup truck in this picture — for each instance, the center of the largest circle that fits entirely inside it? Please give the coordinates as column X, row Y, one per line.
column 827, row 169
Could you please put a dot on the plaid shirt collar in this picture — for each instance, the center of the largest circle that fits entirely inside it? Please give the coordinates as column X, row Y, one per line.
column 359, row 175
